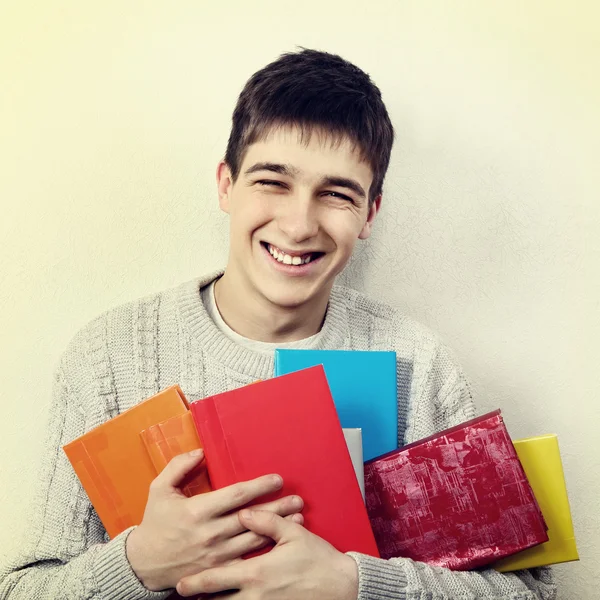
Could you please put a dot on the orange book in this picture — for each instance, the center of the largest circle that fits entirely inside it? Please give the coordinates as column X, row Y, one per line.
column 175, row 436
column 113, row 465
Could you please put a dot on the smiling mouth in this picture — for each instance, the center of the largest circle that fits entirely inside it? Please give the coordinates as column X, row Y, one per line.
column 291, row 259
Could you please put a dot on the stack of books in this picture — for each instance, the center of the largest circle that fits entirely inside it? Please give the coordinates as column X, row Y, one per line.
column 327, row 422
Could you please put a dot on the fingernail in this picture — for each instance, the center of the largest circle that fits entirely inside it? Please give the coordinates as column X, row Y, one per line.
column 277, row 480
column 196, row 452
column 298, row 518
column 246, row 514
column 297, row 502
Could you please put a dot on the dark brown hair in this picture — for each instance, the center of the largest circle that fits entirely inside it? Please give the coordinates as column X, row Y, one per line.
column 314, row 90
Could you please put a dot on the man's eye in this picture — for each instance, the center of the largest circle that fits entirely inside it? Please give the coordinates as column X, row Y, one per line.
column 338, row 195
column 270, row 183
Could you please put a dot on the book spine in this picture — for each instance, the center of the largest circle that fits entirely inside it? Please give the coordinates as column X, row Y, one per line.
column 277, row 369
column 219, row 463
column 438, row 435
column 154, row 441
column 101, row 493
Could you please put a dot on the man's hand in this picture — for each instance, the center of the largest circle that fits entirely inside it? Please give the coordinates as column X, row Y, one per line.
column 181, row 536
column 300, row 566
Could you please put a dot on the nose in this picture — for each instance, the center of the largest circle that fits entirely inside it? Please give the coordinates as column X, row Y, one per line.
column 297, row 218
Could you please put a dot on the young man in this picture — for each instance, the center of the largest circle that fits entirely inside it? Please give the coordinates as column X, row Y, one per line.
column 302, row 182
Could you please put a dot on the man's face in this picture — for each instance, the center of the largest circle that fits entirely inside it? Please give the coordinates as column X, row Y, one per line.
column 296, row 211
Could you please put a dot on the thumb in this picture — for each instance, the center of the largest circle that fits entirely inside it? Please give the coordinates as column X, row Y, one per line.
column 269, row 524
column 177, row 468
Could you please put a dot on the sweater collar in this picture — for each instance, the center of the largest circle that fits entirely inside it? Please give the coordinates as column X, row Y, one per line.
column 202, row 330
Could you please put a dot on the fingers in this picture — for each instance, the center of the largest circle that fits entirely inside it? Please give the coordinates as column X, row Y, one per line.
column 297, row 518
column 268, row 524
column 213, row 581
column 230, row 525
column 282, row 506
column 177, row 469
column 249, row 541
column 242, row 544
column 235, row 496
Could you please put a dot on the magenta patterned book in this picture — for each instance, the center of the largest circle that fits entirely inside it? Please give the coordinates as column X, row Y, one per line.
column 458, row 499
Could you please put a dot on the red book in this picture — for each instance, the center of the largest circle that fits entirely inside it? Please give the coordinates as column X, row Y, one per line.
column 289, row 425
column 458, row 499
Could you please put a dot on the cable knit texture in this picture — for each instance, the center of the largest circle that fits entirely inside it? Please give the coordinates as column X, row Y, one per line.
column 135, row 350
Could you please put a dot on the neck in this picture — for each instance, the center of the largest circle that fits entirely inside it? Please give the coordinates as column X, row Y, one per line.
column 257, row 318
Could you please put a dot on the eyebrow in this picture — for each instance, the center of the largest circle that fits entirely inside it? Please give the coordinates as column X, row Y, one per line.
column 281, row 169
column 344, row 182
column 290, row 171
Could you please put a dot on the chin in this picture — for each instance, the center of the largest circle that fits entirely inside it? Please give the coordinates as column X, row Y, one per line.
column 289, row 296
column 289, row 300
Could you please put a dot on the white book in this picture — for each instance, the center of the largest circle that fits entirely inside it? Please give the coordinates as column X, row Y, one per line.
column 354, row 443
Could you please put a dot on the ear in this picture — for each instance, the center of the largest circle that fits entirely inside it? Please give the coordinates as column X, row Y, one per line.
column 224, row 185
column 373, row 210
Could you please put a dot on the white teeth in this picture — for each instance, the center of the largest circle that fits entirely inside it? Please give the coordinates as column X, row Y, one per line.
column 286, row 259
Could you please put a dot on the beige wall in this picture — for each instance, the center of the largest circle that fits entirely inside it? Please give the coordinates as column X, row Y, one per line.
column 113, row 115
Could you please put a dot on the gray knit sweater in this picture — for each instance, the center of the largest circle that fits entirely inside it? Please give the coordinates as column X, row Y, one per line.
column 133, row 351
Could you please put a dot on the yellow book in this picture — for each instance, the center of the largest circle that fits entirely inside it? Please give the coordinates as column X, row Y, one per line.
column 541, row 462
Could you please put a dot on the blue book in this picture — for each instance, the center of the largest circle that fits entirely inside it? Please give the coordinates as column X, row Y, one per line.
column 363, row 386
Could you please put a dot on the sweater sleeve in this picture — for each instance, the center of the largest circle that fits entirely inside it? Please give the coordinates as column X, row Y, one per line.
column 64, row 553
column 446, row 393
column 405, row 579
